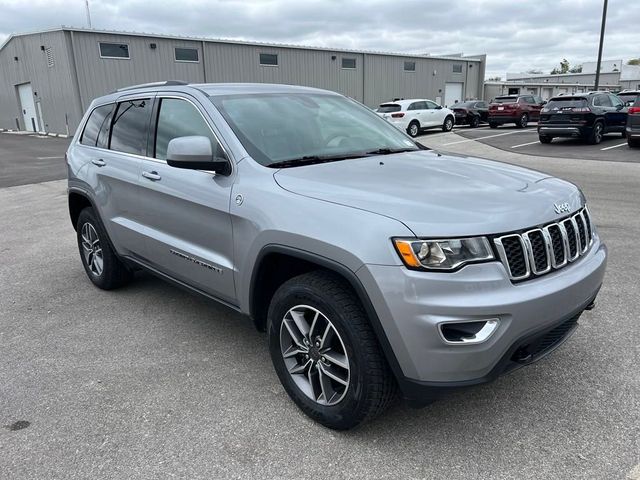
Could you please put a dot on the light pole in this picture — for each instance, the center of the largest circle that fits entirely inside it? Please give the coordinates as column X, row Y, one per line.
column 604, row 22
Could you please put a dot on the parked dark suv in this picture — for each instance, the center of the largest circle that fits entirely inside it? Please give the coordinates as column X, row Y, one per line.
column 518, row 109
column 633, row 122
column 471, row 113
column 587, row 116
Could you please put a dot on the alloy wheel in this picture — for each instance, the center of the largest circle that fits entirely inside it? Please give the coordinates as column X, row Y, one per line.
column 92, row 250
column 314, row 355
column 448, row 125
column 413, row 130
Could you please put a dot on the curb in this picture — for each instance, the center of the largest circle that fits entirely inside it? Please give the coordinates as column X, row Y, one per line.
column 10, row 130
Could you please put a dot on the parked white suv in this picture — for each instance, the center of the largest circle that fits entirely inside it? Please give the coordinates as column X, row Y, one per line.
column 416, row 114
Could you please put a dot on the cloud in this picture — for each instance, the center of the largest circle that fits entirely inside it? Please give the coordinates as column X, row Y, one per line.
column 516, row 36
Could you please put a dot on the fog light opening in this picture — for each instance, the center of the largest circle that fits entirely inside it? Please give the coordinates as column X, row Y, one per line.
column 468, row 333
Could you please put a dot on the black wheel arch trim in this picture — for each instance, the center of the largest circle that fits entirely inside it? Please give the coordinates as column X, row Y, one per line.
column 355, row 283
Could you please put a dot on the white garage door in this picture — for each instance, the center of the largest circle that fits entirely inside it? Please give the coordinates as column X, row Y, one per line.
column 452, row 92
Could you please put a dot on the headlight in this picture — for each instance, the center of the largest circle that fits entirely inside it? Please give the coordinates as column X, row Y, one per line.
column 447, row 254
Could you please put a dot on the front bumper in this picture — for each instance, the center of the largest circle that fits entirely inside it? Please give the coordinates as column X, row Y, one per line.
column 411, row 304
column 564, row 131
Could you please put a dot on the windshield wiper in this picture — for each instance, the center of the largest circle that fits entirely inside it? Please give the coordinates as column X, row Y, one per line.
column 312, row 159
column 389, row 151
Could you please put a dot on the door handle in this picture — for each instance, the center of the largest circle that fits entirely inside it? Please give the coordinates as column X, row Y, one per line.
column 153, row 176
column 98, row 162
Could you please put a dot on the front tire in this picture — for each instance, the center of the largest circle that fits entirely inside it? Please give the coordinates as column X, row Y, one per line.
column 474, row 122
column 413, row 129
column 325, row 352
column 523, row 121
column 545, row 138
column 100, row 262
column 493, row 125
column 447, row 126
column 595, row 137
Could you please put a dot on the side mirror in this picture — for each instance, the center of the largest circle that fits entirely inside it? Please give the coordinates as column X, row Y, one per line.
column 195, row 153
column 439, row 107
column 544, row 102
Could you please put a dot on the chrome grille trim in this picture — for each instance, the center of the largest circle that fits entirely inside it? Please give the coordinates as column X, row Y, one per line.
column 580, row 218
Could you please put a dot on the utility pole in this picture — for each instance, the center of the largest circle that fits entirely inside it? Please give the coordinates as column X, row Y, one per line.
column 604, row 22
column 86, row 3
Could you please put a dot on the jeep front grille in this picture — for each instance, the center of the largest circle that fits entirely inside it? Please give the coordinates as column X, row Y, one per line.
column 534, row 252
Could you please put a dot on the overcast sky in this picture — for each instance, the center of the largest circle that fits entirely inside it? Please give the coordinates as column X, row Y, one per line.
column 517, row 35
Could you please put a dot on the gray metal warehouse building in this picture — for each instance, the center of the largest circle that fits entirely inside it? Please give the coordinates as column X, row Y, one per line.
column 48, row 78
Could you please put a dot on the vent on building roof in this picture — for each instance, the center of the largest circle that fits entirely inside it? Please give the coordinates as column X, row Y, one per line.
column 49, row 53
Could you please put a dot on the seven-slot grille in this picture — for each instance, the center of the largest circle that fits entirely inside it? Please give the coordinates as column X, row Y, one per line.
column 540, row 250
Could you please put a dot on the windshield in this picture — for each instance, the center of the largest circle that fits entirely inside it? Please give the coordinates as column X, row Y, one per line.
column 389, row 108
column 505, row 100
column 628, row 98
column 298, row 127
column 567, row 102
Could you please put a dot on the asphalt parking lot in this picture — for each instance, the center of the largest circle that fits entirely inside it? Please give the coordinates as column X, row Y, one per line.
column 613, row 148
column 152, row 382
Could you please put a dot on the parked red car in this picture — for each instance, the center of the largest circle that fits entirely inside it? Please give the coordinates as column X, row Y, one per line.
column 518, row 109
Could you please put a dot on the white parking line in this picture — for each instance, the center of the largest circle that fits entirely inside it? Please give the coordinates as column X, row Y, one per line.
column 615, row 146
column 490, row 136
column 48, row 158
column 525, row 144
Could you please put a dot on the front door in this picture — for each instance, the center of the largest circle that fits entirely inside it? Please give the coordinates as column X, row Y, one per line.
column 186, row 212
column 28, row 107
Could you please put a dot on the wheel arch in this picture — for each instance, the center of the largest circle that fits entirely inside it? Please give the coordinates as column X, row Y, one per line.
column 78, row 200
column 268, row 264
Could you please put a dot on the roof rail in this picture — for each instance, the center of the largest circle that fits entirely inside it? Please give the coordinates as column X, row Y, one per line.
column 166, row 83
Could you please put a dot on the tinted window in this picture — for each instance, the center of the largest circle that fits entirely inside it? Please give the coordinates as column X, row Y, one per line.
column 130, row 123
column 562, row 103
column 431, row 105
column 481, row 105
column 457, row 68
column 628, row 98
column 268, row 59
column 179, row 118
column 615, row 101
column 348, row 63
column 601, row 101
column 186, row 54
column 114, row 50
column 389, row 108
column 409, row 66
column 290, row 126
column 96, row 131
column 505, row 100
column 417, row 106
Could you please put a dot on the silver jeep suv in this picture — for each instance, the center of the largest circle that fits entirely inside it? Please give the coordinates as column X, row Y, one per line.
column 376, row 266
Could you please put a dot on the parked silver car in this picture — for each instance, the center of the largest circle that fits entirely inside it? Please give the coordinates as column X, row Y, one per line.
column 376, row 266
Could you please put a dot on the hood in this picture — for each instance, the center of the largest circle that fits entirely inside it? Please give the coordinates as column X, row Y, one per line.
column 437, row 194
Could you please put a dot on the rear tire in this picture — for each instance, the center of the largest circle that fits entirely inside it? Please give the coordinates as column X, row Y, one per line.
column 100, row 262
column 522, row 121
column 447, row 126
column 370, row 386
column 595, row 137
column 413, row 129
column 493, row 125
column 545, row 138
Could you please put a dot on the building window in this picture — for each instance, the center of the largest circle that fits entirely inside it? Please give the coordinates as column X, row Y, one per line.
column 457, row 68
column 114, row 50
column 409, row 66
column 349, row 63
column 269, row 59
column 186, row 54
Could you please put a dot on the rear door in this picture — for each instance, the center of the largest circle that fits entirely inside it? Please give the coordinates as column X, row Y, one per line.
column 619, row 113
column 604, row 105
column 434, row 114
column 186, row 212
column 115, row 140
column 417, row 111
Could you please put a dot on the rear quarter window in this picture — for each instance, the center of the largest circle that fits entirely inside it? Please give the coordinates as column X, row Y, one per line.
column 96, row 130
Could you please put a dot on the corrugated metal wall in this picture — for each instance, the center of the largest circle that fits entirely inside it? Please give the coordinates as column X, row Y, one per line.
column 53, row 86
column 376, row 78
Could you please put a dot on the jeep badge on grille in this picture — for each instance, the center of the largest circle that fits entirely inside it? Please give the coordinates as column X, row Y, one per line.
column 562, row 207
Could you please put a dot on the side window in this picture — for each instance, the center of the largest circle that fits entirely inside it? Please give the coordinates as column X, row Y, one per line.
column 615, row 101
column 602, row 101
column 179, row 118
column 415, row 106
column 481, row 105
column 130, row 126
column 430, row 105
column 96, row 130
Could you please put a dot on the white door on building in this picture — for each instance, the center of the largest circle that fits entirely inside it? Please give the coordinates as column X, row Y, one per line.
column 452, row 92
column 28, row 107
